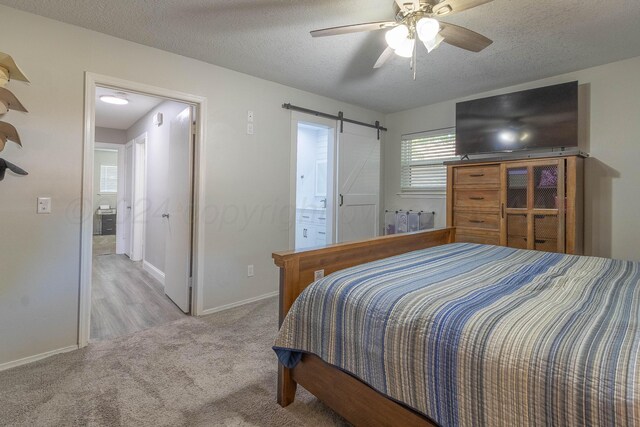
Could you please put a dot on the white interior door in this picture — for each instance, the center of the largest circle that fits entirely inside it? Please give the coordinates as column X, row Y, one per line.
column 178, row 217
column 358, row 183
column 128, row 198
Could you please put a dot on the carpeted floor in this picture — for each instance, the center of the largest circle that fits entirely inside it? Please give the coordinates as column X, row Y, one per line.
column 217, row 370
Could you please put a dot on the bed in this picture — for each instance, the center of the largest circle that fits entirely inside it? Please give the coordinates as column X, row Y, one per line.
column 417, row 330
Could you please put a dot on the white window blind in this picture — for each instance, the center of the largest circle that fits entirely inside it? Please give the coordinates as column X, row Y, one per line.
column 422, row 158
column 108, row 179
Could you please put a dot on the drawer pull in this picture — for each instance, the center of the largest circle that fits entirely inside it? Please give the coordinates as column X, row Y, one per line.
column 476, row 221
column 306, row 216
column 540, row 241
column 540, row 216
column 476, row 198
column 477, row 175
column 321, row 232
column 321, row 218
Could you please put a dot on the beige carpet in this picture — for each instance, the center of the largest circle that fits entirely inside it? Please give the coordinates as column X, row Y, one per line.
column 217, row 370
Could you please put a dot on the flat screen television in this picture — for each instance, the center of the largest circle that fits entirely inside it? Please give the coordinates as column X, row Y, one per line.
column 541, row 118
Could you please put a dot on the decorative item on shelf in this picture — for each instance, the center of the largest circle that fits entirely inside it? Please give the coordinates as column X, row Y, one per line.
column 9, row 70
column 8, row 133
column 4, row 165
column 8, row 101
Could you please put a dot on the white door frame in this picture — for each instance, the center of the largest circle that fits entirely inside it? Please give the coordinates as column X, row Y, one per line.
column 139, row 197
column 86, row 235
column 297, row 117
column 120, row 194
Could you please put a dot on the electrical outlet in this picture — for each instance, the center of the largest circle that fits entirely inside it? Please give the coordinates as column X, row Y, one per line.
column 250, row 116
column 44, row 205
column 250, row 270
column 318, row 274
column 249, row 128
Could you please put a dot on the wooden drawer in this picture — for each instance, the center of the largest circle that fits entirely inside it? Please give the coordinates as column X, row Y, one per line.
column 475, row 236
column 477, row 175
column 548, row 245
column 476, row 199
column 545, row 226
column 487, row 221
column 517, row 225
column 518, row 242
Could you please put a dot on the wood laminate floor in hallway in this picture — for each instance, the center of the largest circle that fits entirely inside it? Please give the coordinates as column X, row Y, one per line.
column 126, row 299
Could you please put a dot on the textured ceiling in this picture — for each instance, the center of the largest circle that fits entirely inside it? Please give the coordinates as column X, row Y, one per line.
column 122, row 116
column 270, row 39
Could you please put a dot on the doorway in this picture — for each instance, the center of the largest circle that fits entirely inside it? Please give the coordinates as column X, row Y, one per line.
column 314, row 144
column 335, row 184
column 152, row 278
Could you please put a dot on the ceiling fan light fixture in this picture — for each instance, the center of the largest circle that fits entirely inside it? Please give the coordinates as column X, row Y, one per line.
column 396, row 37
column 406, row 49
column 433, row 43
column 427, row 29
column 118, row 98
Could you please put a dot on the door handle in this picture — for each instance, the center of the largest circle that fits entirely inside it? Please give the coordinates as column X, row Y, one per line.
column 165, row 215
column 341, row 200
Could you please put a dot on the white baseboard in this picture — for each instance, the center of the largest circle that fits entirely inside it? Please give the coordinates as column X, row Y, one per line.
column 238, row 304
column 31, row 359
column 154, row 271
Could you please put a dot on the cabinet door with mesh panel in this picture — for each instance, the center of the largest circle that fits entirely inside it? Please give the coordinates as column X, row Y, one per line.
column 534, row 205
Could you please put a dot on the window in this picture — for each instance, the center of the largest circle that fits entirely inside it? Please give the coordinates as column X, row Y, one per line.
column 422, row 157
column 108, row 179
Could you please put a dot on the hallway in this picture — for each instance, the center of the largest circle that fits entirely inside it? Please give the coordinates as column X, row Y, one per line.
column 126, row 299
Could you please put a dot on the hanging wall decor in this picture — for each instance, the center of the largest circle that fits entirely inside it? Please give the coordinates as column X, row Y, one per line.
column 9, row 71
column 8, row 133
column 4, row 165
column 8, row 101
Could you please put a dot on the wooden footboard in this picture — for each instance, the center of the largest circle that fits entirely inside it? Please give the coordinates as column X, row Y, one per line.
column 297, row 269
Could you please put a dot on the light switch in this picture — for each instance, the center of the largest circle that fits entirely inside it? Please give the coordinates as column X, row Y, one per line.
column 250, row 116
column 44, row 205
column 249, row 128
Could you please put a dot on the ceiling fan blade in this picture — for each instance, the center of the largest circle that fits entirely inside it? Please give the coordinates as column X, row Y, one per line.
column 386, row 54
column 463, row 37
column 346, row 29
column 447, row 7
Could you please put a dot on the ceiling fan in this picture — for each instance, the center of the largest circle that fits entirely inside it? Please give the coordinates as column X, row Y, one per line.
column 419, row 19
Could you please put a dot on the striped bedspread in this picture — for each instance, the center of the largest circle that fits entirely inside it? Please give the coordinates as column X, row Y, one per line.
column 477, row 335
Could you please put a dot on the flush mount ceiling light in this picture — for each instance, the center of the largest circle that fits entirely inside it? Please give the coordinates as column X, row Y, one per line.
column 419, row 19
column 118, row 98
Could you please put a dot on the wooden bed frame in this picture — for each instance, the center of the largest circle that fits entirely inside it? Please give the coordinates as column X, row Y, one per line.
column 351, row 398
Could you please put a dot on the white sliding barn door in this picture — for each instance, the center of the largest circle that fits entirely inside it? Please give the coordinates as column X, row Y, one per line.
column 128, row 198
column 358, row 183
column 178, row 217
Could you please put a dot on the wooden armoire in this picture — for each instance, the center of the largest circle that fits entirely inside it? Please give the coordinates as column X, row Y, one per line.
column 528, row 203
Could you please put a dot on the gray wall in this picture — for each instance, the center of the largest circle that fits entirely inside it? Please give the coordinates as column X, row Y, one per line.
column 612, row 139
column 111, row 136
column 158, row 174
column 247, row 176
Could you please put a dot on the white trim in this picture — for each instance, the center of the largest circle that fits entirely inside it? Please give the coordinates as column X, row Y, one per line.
column 238, row 304
column 35, row 358
column 86, row 246
column 139, row 197
column 154, row 271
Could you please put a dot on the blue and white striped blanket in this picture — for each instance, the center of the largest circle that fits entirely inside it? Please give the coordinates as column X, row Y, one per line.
column 482, row 335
